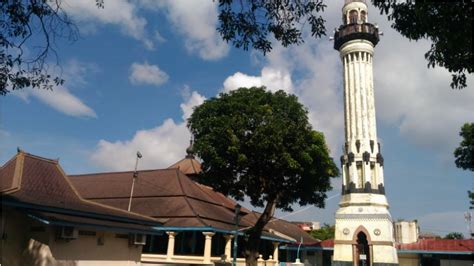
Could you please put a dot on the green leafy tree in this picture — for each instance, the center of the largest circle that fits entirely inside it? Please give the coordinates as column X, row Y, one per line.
column 36, row 24
column 324, row 233
column 464, row 154
column 260, row 144
column 448, row 25
column 454, row 235
column 252, row 23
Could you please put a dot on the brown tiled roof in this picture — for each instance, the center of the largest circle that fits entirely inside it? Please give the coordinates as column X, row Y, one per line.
column 41, row 183
column 282, row 228
column 189, row 165
column 8, row 180
column 165, row 193
column 220, row 198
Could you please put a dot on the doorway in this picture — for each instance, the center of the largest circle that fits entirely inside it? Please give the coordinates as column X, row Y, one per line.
column 362, row 250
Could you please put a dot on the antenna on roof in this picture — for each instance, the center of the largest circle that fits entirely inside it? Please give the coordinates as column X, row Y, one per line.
column 135, row 175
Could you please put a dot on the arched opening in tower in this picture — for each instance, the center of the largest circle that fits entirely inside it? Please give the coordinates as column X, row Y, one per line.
column 362, row 250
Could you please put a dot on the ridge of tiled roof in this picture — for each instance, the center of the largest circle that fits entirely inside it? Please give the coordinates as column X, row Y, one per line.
column 283, row 227
column 187, row 200
column 43, row 184
column 217, row 196
column 161, row 187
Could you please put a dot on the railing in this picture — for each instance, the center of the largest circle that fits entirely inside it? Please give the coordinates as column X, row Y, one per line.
column 345, row 33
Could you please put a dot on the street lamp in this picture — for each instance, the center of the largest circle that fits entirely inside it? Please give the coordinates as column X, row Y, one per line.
column 236, row 232
column 135, row 175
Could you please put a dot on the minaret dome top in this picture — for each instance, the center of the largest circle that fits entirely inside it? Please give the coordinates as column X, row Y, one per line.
column 354, row 11
column 355, row 25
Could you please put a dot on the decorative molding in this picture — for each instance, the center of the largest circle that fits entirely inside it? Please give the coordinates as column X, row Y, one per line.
column 346, row 231
column 365, row 216
column 373, row 243
column 377, row 232
column 351, row 157
column 380, row 159
column 366, row 157
column 358, row 146
column 351, row 188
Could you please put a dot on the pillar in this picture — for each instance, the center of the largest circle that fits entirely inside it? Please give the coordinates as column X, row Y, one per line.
column 207, row 246
column 170, row 250
column 228, row 247
column 275, row 251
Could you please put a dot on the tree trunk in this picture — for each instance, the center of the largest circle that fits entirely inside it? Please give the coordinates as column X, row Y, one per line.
column 253, row 242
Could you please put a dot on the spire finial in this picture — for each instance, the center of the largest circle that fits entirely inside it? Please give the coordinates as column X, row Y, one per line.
column 190, row 150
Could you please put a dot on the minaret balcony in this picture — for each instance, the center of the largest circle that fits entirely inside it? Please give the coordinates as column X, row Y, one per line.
column 354, row 31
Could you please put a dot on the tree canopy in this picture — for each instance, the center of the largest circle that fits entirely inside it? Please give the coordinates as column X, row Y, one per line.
column 37, row 24
column 325, row 232
column 249, row 23
column 448, row 25
column 454, row 235
column 259, row 144
column 464, row 154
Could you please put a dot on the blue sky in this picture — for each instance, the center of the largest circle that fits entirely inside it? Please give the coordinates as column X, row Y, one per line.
column 140, row 66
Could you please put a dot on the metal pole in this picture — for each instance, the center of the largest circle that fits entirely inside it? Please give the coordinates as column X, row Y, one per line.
column 135, row 175
column 235, row 247
column 236, row 234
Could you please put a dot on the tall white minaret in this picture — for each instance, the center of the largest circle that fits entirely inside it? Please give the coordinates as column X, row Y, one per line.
column 364, row 230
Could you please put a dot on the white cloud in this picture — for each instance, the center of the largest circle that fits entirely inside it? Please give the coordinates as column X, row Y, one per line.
column 63, row 101
column 160, row 146
column 60, row 98
column 272, row 78
column 417, row 99
column 147, row 74
column 409, row 96
column 193, row 99
column 117, row 12
column 197, row 22
column 159, row 37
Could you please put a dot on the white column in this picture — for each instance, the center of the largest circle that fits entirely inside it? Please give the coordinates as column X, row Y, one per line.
column 352, row 118
column 170, row 251
column 357, row 97
column 275, row 251
column 207, row 246
column 228, row 247
column 372, row 103
column 363, row 91
column 347, row 114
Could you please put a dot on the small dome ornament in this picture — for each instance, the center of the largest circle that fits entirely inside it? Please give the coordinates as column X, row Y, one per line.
column 190, row 150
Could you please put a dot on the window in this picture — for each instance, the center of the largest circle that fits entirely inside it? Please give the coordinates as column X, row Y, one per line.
column 353, row 16
column 189, row 243
column 218, row 245
column 156, row 244
column 363, row 16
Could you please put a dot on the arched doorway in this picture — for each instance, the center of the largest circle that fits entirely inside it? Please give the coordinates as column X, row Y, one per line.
column 362, row 250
